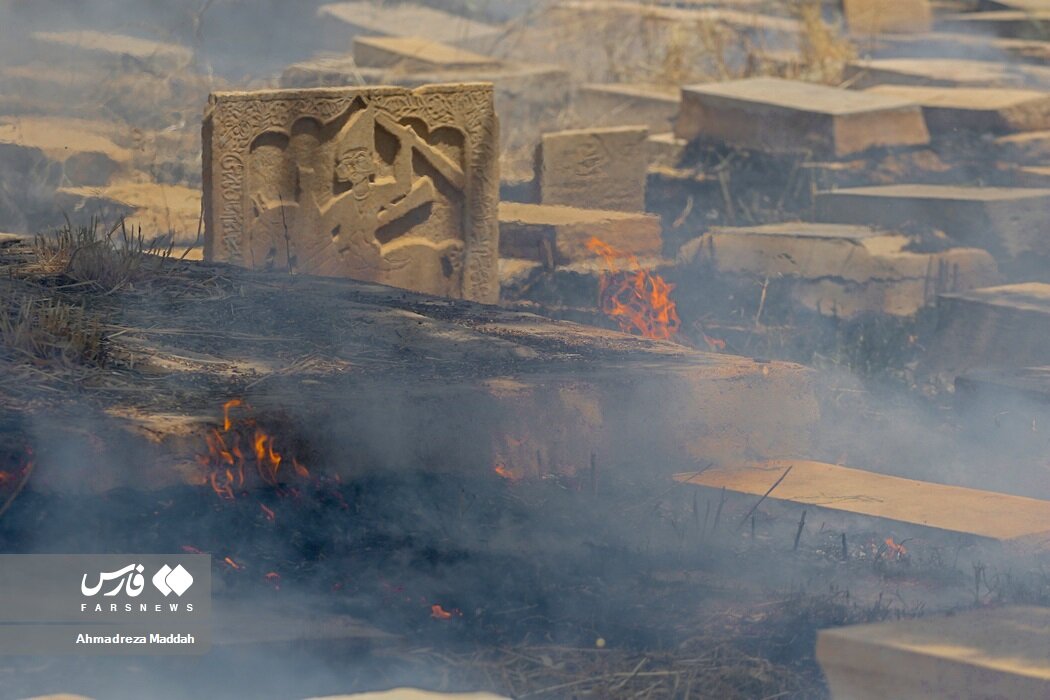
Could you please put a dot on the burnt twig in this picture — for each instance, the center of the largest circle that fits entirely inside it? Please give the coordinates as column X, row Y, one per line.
column 765, row 496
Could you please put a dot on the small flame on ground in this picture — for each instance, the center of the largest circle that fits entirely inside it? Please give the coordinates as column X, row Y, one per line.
column 505, row 473
column 190, row 549
column 232, row 564
column 228, row 463
column 638, row 300
column 439, row 613
column 270, row 515
column 897, row 550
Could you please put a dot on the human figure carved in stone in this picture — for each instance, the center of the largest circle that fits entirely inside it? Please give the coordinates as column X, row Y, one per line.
column 335, row 214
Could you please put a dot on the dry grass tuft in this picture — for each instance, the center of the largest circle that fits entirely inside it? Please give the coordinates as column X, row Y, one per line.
column 824, row 49
column 107, row 261
column 44, row 330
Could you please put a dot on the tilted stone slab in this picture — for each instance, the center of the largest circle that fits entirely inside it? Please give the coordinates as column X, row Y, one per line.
column 604, row 104
column 1004, row 23
column 946, row 72
column 958, row 45
column 948, row 109
column 1004, row 326
column 1027, row 147
column 112, row 50
column 974, row 655
column 556, row 235
column 867, row 17
column 838, row 270
column 600, row 168
column 382, row 19
column 413, row 53
column 1010, row 221
column 771, row 114
column 85, row 156
column 385, row 185
column 153, row 209
column 984, row 514
column 1027, row 5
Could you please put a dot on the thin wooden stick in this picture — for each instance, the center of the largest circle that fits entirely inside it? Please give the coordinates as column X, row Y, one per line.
column 765, row 496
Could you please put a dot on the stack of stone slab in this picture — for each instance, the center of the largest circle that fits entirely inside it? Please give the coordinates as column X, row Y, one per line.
column 589, row 183
column 779, row 116
column 527, row 95
column 997, row 110
column 992, row 327
column 1011, row 222
column 835, row 270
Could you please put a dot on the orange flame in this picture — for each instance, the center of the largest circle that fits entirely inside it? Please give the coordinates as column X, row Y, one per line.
column 639, row 301
column 232, row 564
column 897, row 550
column 439, row 613
column 505, row 473
column 226, row 462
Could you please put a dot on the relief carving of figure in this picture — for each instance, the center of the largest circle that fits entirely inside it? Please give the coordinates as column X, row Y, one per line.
column 350, row 210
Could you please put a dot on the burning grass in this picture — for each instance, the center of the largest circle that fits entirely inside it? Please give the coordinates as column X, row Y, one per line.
column 638, row 300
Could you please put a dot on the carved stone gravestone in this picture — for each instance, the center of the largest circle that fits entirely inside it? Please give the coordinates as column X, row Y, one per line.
column 382, row 184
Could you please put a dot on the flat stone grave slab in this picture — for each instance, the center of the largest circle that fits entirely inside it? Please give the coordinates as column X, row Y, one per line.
column 1008, row 221
column 386, row 185
column 401, row 20
column 777, row 30
column 835, row 269
column 595, row 168
column 982, row 654
column 1032, row 175
column 1028, row 5
column 557, row 235
column 948, row 109
column 984, row 514
column 413, row 53
column 1022, row 24
column 1003, row 326
column 771, row 114
column 621, row 104
column 1026, row 147
column 945, row 72
column 112, row 50
column 870, row 17
column 155, row 209
column 959, row 45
